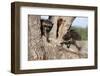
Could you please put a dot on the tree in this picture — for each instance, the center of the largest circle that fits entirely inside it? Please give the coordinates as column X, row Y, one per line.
column 39, row 48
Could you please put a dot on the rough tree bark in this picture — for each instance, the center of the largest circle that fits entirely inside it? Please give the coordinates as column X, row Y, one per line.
column 39, row 48
column 35, row 42
column 53, row 49
column 67, row 21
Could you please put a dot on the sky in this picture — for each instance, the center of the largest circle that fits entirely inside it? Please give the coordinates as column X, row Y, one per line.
column 78, row 22
column 44, row 17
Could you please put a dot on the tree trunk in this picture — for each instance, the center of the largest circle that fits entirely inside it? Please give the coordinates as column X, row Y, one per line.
column 53, row 49
column 35, row 42
column 39, row 48
column 67, row 21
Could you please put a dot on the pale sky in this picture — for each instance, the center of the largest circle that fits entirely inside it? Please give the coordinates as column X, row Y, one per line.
column 44, row 17
column 80, row 22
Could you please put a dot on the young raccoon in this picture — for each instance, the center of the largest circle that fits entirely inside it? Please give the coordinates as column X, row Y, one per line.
column 46, row 26
column 70, row 38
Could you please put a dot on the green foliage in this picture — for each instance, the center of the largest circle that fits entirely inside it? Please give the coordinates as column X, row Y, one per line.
column 83, row 32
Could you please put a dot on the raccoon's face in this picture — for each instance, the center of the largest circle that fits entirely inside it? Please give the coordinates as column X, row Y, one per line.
column 47, row 25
